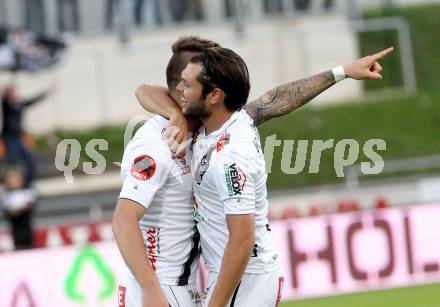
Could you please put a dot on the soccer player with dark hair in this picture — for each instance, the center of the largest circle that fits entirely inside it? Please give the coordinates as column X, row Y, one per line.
column 228, row 167
column 157, row 189
column 153, row 220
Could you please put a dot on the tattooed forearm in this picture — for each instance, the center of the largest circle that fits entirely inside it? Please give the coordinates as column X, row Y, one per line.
column 288, row 97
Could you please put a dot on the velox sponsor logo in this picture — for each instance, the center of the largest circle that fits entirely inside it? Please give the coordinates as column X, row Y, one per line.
column 235, row 179
column 152, row 239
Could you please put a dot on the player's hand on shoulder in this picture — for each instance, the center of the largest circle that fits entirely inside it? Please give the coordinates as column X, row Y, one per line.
column 367, row 68
column 177, row 133
column 154, row 297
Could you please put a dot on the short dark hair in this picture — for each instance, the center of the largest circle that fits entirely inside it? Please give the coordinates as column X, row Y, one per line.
column 224, row 69
column 183, row 49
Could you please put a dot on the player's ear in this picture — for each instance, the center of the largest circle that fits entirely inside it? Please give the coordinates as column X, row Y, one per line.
column 216, row 96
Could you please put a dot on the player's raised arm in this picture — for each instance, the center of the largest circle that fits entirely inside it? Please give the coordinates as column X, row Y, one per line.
column 157, row 100
column 290, row 96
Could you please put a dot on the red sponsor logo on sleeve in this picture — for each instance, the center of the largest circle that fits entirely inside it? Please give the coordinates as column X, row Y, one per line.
column 143, row 167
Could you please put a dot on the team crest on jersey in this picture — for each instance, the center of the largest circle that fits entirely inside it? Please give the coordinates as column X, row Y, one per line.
column 224, row 139
column 143, row 167
column 203, row 165
column 235, row 179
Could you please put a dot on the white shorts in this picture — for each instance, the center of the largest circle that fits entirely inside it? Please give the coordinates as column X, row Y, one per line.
column 130, row 294
column 254, row 290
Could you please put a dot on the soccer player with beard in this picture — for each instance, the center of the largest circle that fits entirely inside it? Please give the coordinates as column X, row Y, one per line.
column 229, row 176
column 153, row 220
column 149, row 174
column 229, row 182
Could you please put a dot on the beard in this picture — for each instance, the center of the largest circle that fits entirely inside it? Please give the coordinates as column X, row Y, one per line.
column 195, row 108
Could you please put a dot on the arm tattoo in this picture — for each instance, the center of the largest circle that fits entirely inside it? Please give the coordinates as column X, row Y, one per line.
column 288, row 97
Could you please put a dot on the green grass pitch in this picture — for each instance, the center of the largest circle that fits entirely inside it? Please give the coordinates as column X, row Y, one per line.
column 419, row 296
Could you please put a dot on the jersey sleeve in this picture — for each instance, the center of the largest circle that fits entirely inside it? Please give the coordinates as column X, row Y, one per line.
column 235, row 180
column 145, row 169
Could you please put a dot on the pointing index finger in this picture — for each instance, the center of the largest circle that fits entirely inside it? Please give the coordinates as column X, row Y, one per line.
column 382, row 53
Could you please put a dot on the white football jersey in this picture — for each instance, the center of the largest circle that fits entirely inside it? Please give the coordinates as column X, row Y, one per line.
column 230, row 178
column 164, row 187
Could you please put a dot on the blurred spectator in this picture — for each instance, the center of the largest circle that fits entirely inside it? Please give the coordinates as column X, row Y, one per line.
column 28, row 51
column 195, row 10
column 228, row 8
column 178, row 9
column 301, row 5
column 12, row 131
column 18, row 204
column 273, row 6
column 150, row 12
column 3, row 13
column 111, row 8
column 144, row 12
column 231, row 7
column 7, row 58
column 147, row 12
column 35, row 17
column 68, row 15
column 139, row 8
column 329, row 4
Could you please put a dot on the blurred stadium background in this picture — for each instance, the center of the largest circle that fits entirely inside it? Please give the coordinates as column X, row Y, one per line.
column 351, row 241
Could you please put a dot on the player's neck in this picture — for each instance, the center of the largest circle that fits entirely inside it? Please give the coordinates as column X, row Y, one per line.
column 215, row 120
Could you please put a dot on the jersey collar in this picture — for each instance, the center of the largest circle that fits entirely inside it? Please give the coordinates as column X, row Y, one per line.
column 226, row 125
